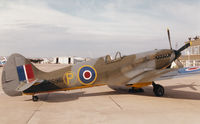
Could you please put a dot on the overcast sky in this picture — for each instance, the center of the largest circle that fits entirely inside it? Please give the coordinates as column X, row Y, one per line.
column 93, row 28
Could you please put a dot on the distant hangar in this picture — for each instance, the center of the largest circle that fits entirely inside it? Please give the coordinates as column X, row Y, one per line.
column 68, row 60
column 59, row 60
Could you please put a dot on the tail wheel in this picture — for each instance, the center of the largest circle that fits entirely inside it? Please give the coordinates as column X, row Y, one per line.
column 158, row 90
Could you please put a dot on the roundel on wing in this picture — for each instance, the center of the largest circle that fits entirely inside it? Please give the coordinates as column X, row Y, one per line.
column 87, row 75
column 192, row 69
column 189, row 69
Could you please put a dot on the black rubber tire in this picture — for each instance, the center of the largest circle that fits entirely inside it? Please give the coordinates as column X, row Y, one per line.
column 35, row 98
column 158, row 90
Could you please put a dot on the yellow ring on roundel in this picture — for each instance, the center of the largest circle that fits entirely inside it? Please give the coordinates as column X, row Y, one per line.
column 90, row 83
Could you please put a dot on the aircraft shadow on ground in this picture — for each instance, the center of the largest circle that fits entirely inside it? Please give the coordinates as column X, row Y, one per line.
column 170, row 92
column 176, row 93
column 60, row 97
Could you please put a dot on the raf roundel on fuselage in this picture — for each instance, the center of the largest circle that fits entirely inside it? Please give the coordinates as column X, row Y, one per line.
column 87, row 75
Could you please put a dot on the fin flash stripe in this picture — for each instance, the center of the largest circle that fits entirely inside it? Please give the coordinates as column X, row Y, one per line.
column 25, row 73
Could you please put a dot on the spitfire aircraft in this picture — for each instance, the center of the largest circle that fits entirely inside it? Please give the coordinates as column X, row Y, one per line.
column 131, row 72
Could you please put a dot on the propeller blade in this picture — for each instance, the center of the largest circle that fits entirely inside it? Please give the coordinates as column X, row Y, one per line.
column 178, row 63
column 168, row 33
column 184, row 47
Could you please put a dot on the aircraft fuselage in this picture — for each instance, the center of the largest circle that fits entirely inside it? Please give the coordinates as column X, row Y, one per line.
column 100, row 71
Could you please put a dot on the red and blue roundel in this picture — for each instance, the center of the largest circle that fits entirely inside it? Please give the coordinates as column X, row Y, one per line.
column 87, row 75
column 189, row 69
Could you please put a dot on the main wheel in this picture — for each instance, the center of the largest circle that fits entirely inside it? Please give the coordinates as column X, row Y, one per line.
column 35, row 98
column 158, row 90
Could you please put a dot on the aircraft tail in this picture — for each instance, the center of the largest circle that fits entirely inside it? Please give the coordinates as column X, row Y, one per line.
column 18, row 71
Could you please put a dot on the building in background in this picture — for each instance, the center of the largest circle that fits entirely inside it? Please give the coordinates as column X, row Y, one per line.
column 36, row 60
column 58, row 60
column 68, row 60
column 47, row 60
column 191, row 57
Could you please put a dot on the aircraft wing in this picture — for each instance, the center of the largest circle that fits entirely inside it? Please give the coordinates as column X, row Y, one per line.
column 156, row 75
column 182, row 72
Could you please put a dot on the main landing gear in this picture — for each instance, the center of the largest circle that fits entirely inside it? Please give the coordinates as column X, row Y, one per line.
column 35, row 98
column 158, row 89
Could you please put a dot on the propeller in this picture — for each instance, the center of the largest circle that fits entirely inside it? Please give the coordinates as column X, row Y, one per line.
column 184, row 47
column 177, row 52
column 170, row 44
column 178, row 63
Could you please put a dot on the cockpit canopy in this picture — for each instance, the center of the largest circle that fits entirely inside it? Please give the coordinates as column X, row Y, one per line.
column 118, row 57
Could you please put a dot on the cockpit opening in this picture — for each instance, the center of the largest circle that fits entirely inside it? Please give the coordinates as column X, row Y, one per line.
column 108, row 58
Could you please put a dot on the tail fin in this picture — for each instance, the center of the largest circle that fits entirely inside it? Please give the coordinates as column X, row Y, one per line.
column 17, row 71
